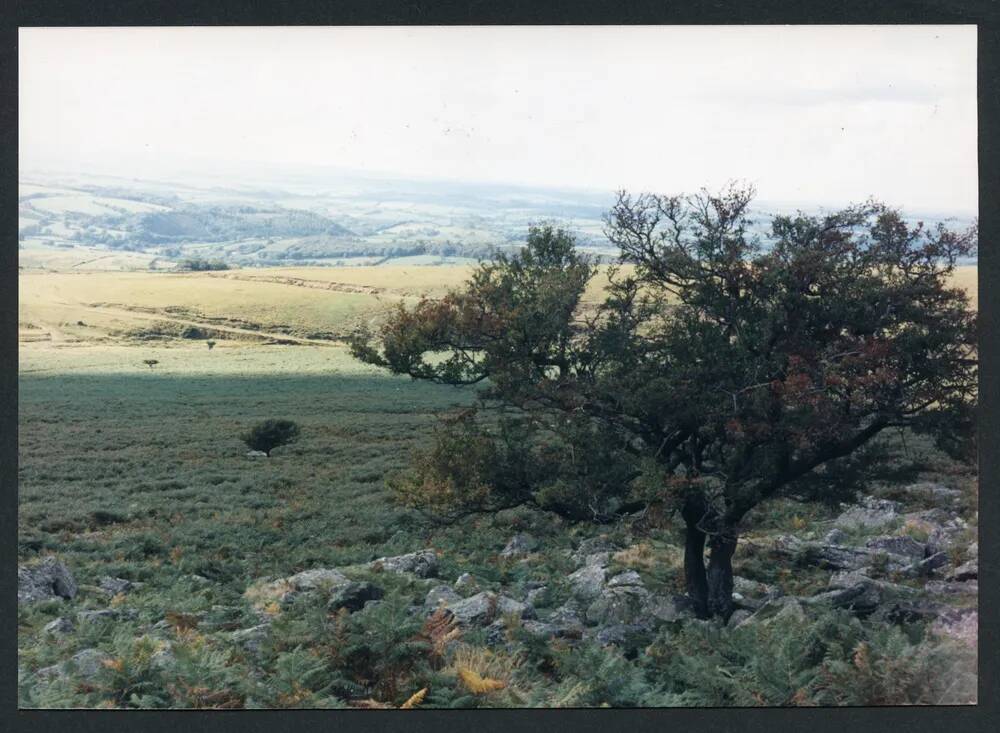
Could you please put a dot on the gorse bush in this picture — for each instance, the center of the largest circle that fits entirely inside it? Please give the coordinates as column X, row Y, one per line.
column 270, row 434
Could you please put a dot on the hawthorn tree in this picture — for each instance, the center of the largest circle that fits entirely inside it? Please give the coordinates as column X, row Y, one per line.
column 716, row 369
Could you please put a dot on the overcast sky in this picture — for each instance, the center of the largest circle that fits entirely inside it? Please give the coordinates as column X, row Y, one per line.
column 809, row 114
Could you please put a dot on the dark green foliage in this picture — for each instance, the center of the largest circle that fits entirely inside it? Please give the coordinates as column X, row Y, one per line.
column 270, row 434
column 196, row 264
column 736, row 365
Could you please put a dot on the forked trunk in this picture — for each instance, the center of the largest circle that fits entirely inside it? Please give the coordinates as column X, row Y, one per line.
column 720, row 575
column 710, row 592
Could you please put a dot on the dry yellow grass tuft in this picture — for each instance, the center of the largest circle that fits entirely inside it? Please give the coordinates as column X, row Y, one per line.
column 478, row 685
column 415, row 699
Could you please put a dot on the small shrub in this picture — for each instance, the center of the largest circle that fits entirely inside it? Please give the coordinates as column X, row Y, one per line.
column 270, row 434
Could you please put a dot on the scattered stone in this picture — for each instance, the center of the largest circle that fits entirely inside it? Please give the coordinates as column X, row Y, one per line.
column 534, row 595
column 628, row 637
column 465, row 582
column 966, row 571
column 483, row 608
column 665, row 609
column 44, row 581
column 256, row 454
column 835, row 536
column 113, row 586
column 106, row 614
column 86, row 663
column 973, row 551
column 587, row 582
column 423, row 564
column 780, row 610
column 252, row 638
column 618, row 605
column 870, row 513
column 353, row 596
column 948, row 588
column 629, row 577
column 938, row 493
column 317, row 578
column 61, row 625
column 438, row 596
column 595, row 550
column 929, row 564
column 753, row 588
column 902, row 546
column 520, row 544
column 739, row 616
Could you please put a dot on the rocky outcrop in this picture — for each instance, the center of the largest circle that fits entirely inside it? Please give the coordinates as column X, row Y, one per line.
column 86, row 664
column 869, row 513
column 45, row 581
column 423, row 564
column 353, row 596
column 520, row 544
column 483, row 608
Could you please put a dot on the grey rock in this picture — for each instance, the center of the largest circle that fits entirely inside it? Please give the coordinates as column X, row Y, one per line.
column 423, row 564
column 253, row 638
column 534, row 595
column 61, row 625
column 483, row 608
column 628, row 637
column 973, row 551
column 935, row 492
column 629, row 577
column 520, row 544
column 44, row 581
column 837, row 557
column 929, row 564
column 114, row 586
column 353, row 596
column 106, row 614
column 950, row 588
column 587, row 582
column 86, row 663
column 739, row 616
column 779, row 610
column 902, row 546
column 966, row 571
column 256, row 454
column 835, row 536
column 861, row 595
column 465, row 582
column 600, row 546
column 753, row 588
column 870, row 513
column 618, row 605
column 317, row 578
column 658, row 609
column 438, row 596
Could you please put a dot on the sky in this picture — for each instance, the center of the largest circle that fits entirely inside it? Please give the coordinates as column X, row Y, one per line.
column 827, row 115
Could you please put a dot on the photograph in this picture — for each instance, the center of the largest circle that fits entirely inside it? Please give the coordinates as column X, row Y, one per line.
column 497, row 366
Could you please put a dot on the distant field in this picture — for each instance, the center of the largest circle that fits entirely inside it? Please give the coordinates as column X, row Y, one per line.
column 305, row 302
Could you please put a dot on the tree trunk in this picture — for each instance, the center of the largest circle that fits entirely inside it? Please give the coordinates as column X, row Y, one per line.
column 720, row 575
column 694, row 556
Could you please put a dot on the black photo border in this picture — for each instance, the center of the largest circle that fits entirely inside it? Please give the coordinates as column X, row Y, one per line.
column 983, row 13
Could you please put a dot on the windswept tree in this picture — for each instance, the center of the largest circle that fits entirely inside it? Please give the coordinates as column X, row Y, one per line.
column 716, row 370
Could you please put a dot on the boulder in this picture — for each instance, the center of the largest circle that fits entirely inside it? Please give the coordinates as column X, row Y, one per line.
column 535, row 594
column 966, row 571
column 901, row 546
column 483, row 608
column 114, row 586
column 423, row 563
column 520, row 544
column 61, row 625
column 86, row 663
column 618, row 605
column 780, row 610
column 253, row 638
column 930, row 564
column 353, row 596
column 739, row 616
column 256, row 454
column 860, row 594
column 628, row 637
column 440, row 595
column 629, row 577
column 107, row 614
column 600, row 546
column 951, row 588
column 465, row 582
column 587, row 582
column 565, row 621
column 835, row 536
column 869, row 513
column 317, row 578
column 44, row 581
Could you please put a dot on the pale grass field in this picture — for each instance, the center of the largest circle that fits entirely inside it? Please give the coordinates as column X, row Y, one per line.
column 90, row 308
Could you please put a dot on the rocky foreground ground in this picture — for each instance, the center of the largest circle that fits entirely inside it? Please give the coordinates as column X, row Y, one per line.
column 884, row 563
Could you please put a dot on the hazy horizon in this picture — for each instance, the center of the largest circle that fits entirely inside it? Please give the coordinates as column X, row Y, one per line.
column 810, row 115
